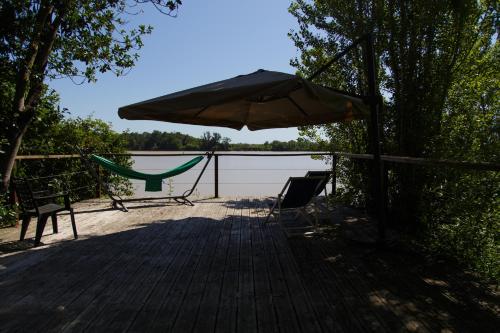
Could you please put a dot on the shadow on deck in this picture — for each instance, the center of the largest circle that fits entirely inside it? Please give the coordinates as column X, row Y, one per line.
column 217, row 267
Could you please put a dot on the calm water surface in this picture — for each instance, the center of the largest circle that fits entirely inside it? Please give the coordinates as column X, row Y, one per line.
column 238, row 175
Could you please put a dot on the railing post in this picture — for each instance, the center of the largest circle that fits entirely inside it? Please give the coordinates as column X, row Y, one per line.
column 374, row 100
column 216, row 176
column 385, row 171
column 334, row 174
column 13, row 195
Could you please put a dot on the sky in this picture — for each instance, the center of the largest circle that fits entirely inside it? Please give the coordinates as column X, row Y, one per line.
column 208, row 41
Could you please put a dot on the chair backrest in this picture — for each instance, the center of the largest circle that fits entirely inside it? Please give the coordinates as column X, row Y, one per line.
column 326, row 178
column 300, row 191
column 24, row 194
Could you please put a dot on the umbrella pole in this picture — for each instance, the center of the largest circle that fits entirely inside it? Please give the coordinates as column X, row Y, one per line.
column 374, row 102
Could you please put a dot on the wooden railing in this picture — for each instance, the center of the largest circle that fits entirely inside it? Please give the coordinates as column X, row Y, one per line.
column 425, row 161
column 385, row 159
column 215, row 159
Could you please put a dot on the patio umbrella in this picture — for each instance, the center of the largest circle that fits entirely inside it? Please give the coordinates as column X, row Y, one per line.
column 260, row 100
column 266, row 99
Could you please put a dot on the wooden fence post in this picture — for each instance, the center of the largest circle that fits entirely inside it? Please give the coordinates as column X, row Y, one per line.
column 385, row 172
column 375, row 102
column 334, row 174
column 13, row 195
column 216, row 176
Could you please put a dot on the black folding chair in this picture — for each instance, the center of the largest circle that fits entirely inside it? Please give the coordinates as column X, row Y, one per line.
column 42, row 207
column 295, row 196
column 327, row 175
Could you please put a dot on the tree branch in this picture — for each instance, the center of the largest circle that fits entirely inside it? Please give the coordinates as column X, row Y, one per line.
column 42, row 58
column 25, row 72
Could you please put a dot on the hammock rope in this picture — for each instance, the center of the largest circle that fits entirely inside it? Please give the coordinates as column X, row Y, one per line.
column 153, row 181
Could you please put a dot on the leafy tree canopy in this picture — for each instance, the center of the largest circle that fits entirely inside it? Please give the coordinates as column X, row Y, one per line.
column 79, row 38
column 177, row 141
column 62, row 38
column 437, row 68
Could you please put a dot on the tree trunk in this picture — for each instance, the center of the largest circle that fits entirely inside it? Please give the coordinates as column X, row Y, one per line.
column 29, row 85
column 15, row 139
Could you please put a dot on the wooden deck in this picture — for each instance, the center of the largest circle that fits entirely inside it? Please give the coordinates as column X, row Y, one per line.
column 216, row 267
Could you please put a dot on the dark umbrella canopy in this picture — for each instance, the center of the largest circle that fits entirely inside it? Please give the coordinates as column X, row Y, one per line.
column 260, row 100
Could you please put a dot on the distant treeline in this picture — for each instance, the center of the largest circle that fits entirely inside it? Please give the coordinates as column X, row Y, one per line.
column 209, row 141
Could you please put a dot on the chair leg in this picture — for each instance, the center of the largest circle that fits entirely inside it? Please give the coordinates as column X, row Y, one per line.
column 326, row 200
column 40, row 226
column 24, row 226
column 316, row 219
column 270, row 213
column 73, row 224
column 303, row 213
column 267, row 217
column 54, row 223
column 280, row 221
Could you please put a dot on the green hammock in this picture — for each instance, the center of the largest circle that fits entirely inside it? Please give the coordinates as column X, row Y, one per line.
column 153, row 182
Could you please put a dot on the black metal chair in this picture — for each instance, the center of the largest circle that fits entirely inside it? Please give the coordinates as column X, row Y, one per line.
column 42, row 207
column 295, row 196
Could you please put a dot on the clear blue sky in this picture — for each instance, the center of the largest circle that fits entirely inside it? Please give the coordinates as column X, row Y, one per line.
column 208, row 41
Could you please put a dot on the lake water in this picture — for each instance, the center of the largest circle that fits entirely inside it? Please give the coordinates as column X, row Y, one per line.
column 238, row 175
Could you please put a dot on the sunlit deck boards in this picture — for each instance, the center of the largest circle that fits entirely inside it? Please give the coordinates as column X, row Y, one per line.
column 216, row 267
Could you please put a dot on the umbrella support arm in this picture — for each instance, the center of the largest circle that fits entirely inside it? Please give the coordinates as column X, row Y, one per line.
column 339, row 55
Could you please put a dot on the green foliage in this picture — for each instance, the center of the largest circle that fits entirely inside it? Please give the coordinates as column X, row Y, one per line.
column 160, row 141
column 64, row 136
column 177, row 141
column 84, row 132
column 91, row 37
column 214, row 141
column 7, row 214
column 6, row 119
column 461, row 210
column 461, row 216
column 471, row 119
column 52, row 133
column 75, row 39
column 438, row 65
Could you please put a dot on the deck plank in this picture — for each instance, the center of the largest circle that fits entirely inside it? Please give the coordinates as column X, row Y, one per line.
column 227, row 309
column 206, row 316
column 265, row 310
column 147, row 264
column 153, row 312
column 285, row 310
column 67, row 267
column 217, row 267
column 247, row 317
column 187, row 313
column 125, row 255
column 298, row 293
